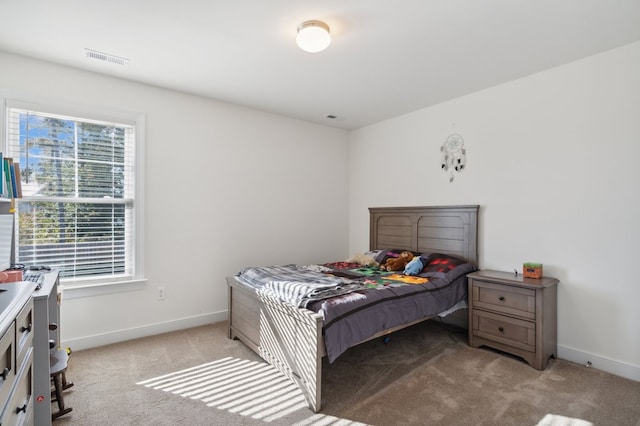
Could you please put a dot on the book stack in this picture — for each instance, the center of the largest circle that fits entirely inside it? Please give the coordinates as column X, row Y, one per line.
column 10, row 175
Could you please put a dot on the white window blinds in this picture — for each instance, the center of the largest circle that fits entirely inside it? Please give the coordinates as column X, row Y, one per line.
column 77, row 213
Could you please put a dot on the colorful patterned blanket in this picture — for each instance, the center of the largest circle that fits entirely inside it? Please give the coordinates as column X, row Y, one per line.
column 302, row 285
column 357, row 301
column 371, row 276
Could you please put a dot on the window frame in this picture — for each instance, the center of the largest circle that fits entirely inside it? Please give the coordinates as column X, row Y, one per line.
column 89, row 286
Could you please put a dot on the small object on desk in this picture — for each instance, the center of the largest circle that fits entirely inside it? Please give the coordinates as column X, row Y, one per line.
column 515, row 271
column 39, row 268
column 34, row 278
column 11, row 276
column 16, row 267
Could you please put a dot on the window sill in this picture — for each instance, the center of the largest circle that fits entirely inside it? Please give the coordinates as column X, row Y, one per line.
column 77, row 291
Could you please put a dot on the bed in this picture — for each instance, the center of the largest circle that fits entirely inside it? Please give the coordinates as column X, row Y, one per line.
column 295, row 339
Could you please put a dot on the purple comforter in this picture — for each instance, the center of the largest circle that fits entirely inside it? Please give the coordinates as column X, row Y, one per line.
column 365, row 302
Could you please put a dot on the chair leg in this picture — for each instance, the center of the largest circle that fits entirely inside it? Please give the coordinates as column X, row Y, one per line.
column 57, row 384
column 65, row 384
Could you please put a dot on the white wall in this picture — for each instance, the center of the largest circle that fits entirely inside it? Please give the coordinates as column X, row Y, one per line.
column 551, row 160
column 226, row 187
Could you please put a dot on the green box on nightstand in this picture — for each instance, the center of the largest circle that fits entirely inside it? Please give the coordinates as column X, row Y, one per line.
column 532, row 270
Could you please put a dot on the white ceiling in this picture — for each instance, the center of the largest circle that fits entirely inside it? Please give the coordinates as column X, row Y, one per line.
column 387, row 57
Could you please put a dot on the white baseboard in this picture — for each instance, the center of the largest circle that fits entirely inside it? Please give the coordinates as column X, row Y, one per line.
column 618, row 368
column 143, row 331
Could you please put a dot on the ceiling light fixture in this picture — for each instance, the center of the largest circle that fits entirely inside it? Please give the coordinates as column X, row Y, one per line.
column 313, row 36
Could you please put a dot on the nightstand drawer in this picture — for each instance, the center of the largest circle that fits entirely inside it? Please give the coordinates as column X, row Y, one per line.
column 505, row 299
column 509, row 331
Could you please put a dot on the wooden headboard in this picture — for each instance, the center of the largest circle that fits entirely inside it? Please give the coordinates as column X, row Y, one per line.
column 440, row 229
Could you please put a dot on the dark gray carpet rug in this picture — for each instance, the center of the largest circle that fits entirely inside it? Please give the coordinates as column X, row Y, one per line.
column 425, row 375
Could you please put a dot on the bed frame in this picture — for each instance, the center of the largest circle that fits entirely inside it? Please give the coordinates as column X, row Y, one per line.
column 290, row 338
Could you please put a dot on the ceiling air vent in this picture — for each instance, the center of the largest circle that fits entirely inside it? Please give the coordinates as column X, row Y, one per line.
column 105, row 57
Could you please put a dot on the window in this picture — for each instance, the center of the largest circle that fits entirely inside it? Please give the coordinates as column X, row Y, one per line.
column 79, row 208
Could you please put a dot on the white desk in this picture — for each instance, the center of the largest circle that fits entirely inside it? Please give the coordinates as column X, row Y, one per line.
column 16, row 353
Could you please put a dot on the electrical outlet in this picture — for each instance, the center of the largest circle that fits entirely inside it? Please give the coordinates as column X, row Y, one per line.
column 160, row 295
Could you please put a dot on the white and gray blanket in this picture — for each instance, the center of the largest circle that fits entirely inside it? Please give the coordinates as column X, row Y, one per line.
column 296, row 285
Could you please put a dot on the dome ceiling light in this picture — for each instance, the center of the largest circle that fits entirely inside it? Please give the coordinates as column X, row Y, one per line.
column 313, row 36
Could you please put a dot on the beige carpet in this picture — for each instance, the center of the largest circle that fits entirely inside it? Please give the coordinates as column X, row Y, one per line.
column 426, row 375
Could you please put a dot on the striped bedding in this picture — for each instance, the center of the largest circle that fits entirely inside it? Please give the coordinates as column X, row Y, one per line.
column 357, row 304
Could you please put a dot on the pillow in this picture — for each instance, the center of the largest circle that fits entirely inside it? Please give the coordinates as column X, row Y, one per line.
column 443, row 263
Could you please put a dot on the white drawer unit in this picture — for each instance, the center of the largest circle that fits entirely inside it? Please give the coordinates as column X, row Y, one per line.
column 19, row 408
column 16, row 354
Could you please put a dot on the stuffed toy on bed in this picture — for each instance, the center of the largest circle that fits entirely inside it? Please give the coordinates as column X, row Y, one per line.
column 415, row 266
column 363, row 259
column 398, row 263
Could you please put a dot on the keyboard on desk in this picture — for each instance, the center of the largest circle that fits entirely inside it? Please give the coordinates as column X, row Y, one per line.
column 34, row 278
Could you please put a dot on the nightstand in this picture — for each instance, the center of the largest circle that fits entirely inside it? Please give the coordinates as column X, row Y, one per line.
column 514, row 314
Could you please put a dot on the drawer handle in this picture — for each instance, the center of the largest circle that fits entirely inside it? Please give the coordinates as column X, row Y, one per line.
column 27, row 328
column 5, row 373
column 501, row 329
column 23, row 409
column 501, row 298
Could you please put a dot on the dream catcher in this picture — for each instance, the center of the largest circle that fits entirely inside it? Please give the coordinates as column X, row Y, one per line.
column 453, row 154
